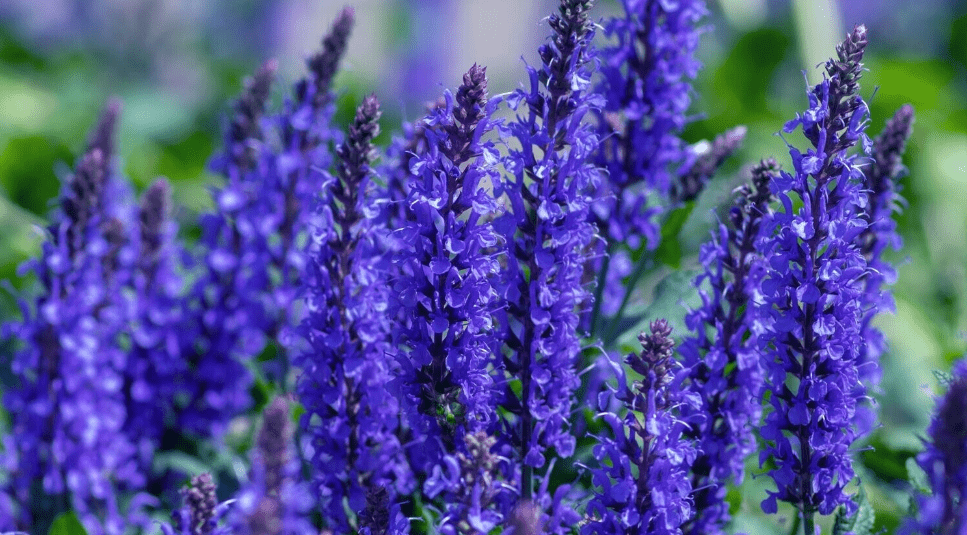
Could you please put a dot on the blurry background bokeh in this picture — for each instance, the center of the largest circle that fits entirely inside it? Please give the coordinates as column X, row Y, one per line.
column 176, row 64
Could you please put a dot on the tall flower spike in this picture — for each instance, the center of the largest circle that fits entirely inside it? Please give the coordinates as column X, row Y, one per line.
column 642, row 472
column 646, row 81
column 549, row 237
column 447, row 268
column 944, row 460
column 274, row 502
column 722, row 356
column 883, row 174
column 813, row 298
column 154, row 361
column 67, row 448
column 254, row 243
column 350, row 417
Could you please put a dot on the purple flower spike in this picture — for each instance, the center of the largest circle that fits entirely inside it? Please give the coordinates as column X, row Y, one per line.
column 549, row 237
column 448, row 265
column 722, row 358
column 944, row 460
column 693, row 181
column 253, row 245
column 883, row 174
column 812, row 293
column 647, row 86
column 647, row 441
column 201, row 512
column 154, row 361
column 350, row 417
column 274, row 502
column 67, row 448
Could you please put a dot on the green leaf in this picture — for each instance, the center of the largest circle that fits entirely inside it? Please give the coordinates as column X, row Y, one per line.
column 669, row 251
column 67, row 524
column 943, row 378
column 861, row 522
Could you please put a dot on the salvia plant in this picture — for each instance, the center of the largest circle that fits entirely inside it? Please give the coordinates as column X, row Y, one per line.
column 430, row 334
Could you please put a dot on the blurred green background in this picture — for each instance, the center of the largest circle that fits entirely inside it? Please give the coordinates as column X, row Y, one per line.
column 176, row 64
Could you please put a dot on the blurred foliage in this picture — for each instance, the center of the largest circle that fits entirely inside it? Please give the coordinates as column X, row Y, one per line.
column 49, row 98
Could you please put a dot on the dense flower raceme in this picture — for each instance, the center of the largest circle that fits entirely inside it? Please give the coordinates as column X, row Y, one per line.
column 350, row 416
column 274, row 501
column 549, row 183
column 154, row 362
column 642, row 471
column 722, row 357
column 67, row 447
column 445, row 271
column 812, row 297
column 944, row 510
column 646, row 82
column 252, row 243
column 882, row 173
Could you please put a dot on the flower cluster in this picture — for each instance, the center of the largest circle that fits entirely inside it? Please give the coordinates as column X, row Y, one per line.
column 944, row 510
column 812, row 297
column 722, row 357
column 274, row 501
column 447, row 267
column 69, row 448
column 642, row 471
column 425, row 315
column 350, row 416
column 548, row 235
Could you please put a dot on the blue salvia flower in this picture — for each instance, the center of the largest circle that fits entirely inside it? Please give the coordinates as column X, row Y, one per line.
column 446, row 271
column 254, row 244
column 646, row 82
column 944, row 460
column 549, row 237
column 154, row 361
column 350, row 417
column 67, row 448
column 642, row 471
column 883, row 173
column 469, row 482
column 722, row 357
column 274, row 501
column 813, row 298
column 223, row 326
column 201, row 513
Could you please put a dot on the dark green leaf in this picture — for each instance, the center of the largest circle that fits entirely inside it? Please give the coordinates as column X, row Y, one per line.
column 861, row 522
column 67, row 524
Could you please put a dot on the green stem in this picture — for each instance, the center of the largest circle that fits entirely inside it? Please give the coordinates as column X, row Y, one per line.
column 795, row 525
column 644, row 263
column 808, row 526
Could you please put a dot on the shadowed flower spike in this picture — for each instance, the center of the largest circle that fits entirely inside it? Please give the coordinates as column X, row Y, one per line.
column 883, row 173
column 253, row 245
column 469, row 482
column 812, row 298
column 549, row 185
column 273, row 502
column 350, row 418
column 641, row 476
column 67, row 448
column 380, row 516
column 154, row 361
column 201, row 512
column 722, row 357
column 448, row 267
column 944, row 460
column 707, row 161
column 325, row 63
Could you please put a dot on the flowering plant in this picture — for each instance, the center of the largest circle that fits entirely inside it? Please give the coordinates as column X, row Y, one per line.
column 432, row 331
